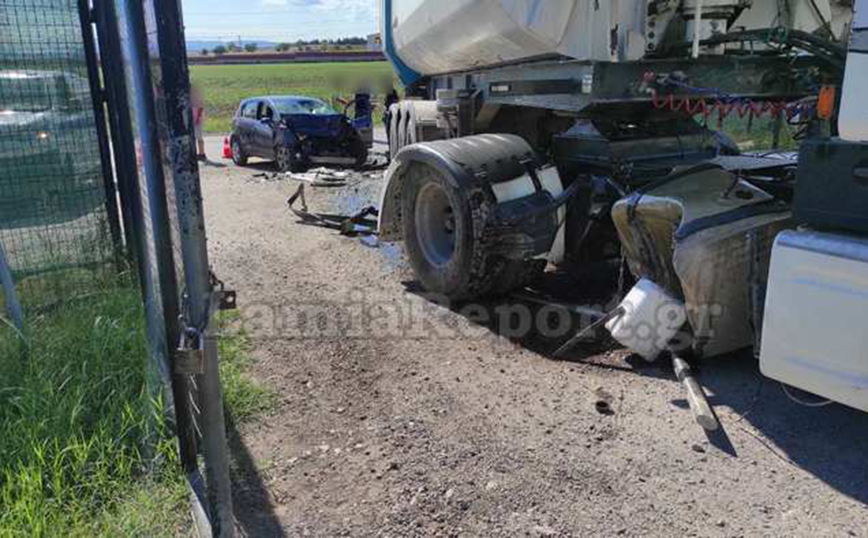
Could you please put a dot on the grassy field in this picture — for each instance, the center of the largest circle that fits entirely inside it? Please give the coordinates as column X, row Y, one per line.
column 224, row 86
column 85, row 449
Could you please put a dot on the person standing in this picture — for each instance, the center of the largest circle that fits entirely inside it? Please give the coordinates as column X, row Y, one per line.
column 363, row 110
column 198, row 105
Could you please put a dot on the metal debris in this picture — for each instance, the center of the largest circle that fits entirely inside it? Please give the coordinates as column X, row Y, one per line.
column 696, row 398
column 359, row 224
column 603, row 402
column 323, row 177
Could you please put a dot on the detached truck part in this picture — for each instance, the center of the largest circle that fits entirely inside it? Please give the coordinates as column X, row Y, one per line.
column 580, row 132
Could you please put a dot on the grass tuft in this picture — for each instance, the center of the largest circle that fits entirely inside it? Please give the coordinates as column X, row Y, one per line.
column 243, row 397
column 84, row 446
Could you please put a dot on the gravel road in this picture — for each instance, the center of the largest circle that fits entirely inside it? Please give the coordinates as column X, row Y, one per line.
column 399, row 417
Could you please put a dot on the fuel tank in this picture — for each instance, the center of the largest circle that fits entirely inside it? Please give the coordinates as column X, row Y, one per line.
column 431, row 37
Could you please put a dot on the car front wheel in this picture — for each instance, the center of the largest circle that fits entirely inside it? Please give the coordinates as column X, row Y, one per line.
column 238, row 155
column 286, row 160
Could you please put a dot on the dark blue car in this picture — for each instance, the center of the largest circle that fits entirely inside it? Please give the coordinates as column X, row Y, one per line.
column 296, row 133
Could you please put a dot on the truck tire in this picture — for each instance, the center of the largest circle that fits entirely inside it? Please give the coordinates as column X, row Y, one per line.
column 394, row 121
column 402, row 125
column 445, row 241
column 414, row 121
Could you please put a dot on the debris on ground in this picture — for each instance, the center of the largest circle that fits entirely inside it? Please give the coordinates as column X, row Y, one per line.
column 603, row 402
column 323, row 177
column 358, row 224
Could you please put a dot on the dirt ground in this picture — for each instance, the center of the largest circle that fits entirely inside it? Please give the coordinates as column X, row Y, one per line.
column 399, row 417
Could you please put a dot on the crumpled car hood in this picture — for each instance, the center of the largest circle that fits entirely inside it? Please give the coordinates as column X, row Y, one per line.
column 315, row 124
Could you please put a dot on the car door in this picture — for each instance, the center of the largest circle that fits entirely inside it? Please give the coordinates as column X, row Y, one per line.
column 245, row 122
column 263, row 130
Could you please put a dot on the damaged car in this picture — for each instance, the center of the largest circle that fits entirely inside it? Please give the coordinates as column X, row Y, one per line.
column 296, row 133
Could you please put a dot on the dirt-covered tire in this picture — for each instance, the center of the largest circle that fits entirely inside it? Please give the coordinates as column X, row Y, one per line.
column 394, row 121
column 515, row 274
column 446, row 243
column 286, row 160
column 401, row 133
column 238, row 155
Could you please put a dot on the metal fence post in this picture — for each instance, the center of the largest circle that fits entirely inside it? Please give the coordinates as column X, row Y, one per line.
column 151, row 210
column 98, row 96
column 12, row 304
column 118, row 112
column 200, row 297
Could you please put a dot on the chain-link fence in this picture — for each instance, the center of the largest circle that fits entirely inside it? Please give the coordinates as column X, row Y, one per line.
column 98, row 172
column 54, row 219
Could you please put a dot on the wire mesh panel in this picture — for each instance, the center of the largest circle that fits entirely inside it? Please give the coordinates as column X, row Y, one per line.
column 52, row 192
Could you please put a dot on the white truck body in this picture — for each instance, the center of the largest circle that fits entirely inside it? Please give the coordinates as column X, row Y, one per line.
column 853, row 122
column 814, row 334
column 433, row 37
column 811, row 335
column 453, row 35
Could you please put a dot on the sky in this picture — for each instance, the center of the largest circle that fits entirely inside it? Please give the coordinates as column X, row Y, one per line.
column 278, row 20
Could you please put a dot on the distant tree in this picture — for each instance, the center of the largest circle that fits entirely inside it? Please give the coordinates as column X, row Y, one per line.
column 251, row 47
column 205, row 52
column 219, row 49
column 282, row 47
column 232, row 47
column 352, row 41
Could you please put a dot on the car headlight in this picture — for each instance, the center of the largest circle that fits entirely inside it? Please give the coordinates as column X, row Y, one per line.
column 43, row 135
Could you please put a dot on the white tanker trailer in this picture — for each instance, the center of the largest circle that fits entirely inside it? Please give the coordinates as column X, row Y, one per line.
column 433, row 37
column 579, row 133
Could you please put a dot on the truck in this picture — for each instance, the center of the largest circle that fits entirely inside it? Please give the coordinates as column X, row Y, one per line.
column 588, row 135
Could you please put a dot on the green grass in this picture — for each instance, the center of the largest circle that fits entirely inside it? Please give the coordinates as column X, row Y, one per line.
column 243, row 397
column 84, row 447
column 757, row 136
column 224, row 86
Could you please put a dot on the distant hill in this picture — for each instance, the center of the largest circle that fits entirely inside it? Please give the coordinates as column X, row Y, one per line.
column 199, row 45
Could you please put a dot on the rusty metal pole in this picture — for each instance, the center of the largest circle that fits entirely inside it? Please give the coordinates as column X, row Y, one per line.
column 151, row 216
column 200, row 299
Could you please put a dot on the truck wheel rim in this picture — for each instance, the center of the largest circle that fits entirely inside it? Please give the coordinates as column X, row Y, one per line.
column 236, row 151
column 435, row 224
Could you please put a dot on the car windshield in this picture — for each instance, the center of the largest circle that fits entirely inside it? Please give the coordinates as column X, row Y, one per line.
column 303, row 106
